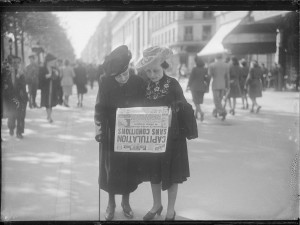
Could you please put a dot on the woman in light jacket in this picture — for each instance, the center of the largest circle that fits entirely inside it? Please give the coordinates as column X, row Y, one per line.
column 67, row 76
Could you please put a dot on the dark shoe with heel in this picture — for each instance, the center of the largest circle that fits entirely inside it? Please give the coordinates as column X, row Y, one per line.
column 258, row 108
column 150, row 215
column 110, row 213
column 173, row 218
column 128, row 213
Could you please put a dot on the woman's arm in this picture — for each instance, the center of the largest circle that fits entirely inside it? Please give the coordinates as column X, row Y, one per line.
column 100, row 116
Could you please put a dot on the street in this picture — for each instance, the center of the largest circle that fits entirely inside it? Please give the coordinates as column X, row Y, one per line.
column 243, row 168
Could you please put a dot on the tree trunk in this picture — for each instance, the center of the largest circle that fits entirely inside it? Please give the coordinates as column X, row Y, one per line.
column 22, row 46
column 2, row 39
column 16, row 37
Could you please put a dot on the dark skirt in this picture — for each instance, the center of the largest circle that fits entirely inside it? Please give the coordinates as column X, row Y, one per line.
column 118, row 170
column 167, row 168
column 46, row 100
column 255, row 89
column 235, row 91
column 198, row 97
column 81, row 89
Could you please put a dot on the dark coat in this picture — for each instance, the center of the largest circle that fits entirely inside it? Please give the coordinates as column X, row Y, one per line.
column 198, row 80
column 253, row 82
column 12, row 91
column 118, row 170
column 49, row 85
column 80, row 79
column 172, row 166
column 235, row 74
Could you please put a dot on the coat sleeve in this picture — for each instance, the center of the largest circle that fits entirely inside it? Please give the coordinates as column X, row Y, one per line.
column 100, row 116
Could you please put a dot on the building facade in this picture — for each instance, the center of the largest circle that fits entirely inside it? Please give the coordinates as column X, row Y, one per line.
column 266, row 36
column 99, row 44
column 185, row 32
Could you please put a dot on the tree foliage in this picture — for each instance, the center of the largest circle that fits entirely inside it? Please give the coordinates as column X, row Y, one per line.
column 42, row 27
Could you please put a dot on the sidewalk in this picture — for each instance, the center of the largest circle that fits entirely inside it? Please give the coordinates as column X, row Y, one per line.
column 243, row 168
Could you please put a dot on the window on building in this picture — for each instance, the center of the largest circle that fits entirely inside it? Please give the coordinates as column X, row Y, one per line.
column 206, row 32
column 166, row 37
column 174, row 35
column 188, row 33
column 188, row 15
column 167, row 18
column 170, row 16
column 207, row 14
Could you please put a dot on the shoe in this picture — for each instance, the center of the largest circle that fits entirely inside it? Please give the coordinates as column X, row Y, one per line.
column 233, row 112
column 223, row 116
column 50, row 120
column 11, row 132
column 201, row 116
column 252, row 111
column 19, row 136
column 127, row 211
column 110, row 213
column 258, row 108
column 247, row 106
column 150, row 215
column 173, row 218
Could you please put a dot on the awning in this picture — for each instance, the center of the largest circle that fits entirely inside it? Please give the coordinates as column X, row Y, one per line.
column 255, row 38
column 215, row 46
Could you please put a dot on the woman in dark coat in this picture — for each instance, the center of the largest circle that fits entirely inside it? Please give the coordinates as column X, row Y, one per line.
column 49, row 83
column 235, row 74
column 80, row 81
column 117, row 89
column 198, row 84
column 254, row 84
column 244, row 74
column 164, row 170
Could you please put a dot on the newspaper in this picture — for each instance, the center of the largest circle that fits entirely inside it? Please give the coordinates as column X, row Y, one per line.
column 142, row 129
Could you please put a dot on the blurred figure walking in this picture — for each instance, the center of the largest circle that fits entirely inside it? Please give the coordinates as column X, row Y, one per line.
column 32, row 80
column 15, row 93
column 219, row 72
column 50, row 83
column 80, row 81
column 198, row 84
column 59, row 66
column 244, row 75
column 234, row 91
column 254, row 85
column 67, row 76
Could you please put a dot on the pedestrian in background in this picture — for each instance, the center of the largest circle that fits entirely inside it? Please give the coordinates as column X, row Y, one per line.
column 244, row 74
column 166, row 170
column 50, row 84
column 67, row 76
column 14, row 95
column 235, row 74
column 198, row 84
column 80, row 81
column 264, row 76
column 32, row 80
column 117, row 89
column 219, row 73
column 253, row 82
column 59, row 66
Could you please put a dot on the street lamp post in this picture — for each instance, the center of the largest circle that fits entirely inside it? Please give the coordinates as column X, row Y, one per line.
column 10, row 46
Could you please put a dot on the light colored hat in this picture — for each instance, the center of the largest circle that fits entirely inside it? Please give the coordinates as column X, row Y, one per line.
column 152, row 55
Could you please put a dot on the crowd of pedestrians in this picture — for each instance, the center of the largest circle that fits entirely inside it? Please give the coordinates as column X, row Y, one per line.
column 55, row 79
column 231, row 79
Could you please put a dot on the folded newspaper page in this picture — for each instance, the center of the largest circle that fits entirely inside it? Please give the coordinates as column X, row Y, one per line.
column 142, row 129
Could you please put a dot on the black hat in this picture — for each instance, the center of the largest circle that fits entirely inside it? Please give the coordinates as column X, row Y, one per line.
column 49, row 57
column 117, row 61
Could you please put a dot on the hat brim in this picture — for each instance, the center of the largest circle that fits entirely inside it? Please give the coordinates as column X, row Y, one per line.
column 152, row 60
